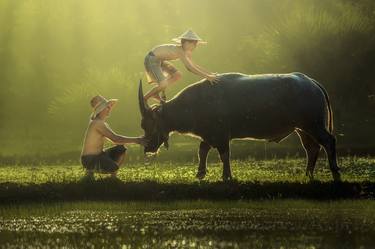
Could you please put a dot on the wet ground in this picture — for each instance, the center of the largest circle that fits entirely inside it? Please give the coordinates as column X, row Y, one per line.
column 197, row 224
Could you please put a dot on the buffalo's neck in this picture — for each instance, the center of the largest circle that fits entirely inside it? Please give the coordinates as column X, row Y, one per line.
column 178, row 117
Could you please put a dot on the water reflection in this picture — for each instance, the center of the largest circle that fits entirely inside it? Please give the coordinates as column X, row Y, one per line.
column 204, row 228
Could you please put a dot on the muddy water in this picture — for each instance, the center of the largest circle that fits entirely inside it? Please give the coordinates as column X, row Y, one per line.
column 213, row 227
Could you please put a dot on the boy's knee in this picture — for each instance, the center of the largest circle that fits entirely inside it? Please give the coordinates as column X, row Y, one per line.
column 121, row 149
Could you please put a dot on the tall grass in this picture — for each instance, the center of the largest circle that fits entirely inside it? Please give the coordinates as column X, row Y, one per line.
column 332, row 43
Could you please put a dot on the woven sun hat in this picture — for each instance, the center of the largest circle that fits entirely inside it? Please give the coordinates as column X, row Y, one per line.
column 99, row 103
column 189, row 35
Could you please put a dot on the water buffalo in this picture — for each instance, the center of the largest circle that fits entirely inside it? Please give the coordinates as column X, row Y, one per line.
column 261, row 107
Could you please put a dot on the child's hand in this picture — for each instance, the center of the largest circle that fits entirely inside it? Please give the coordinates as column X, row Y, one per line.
column 212, row 78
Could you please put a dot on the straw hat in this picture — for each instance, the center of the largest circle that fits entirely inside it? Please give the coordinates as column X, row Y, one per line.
column 189, row 35
column 99, row 103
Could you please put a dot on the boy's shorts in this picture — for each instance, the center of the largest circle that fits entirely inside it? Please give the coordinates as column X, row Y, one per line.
column 104, row 162
column 156, row 69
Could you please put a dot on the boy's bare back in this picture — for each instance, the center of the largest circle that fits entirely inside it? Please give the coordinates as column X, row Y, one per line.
column 168, row 52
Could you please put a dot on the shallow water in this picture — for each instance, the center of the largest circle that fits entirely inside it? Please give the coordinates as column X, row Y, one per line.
column 216, row 226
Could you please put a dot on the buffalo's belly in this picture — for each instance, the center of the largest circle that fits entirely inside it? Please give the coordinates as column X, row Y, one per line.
column 262, row 121
column 265, row 132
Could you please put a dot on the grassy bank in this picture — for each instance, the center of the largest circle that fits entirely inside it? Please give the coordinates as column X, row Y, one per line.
column 172, row 181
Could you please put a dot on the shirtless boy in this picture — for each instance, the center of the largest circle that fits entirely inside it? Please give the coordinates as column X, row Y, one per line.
column 159, row 70
column 93, row 158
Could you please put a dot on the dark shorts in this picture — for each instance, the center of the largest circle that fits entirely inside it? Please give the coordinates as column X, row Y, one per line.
column 156, row 70
column 105, row 162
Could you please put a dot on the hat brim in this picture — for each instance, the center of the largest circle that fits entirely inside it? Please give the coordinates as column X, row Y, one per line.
column 178, row 40
column 111, row 103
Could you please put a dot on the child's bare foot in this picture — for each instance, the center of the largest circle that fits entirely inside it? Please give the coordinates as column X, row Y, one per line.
column 160, row 99
column 156, row 97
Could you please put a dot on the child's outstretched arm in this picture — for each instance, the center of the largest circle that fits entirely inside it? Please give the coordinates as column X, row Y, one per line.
column 107, row 132
column 192, row 67
column 202, row 69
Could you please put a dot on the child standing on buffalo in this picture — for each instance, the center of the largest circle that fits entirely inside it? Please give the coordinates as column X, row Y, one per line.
column 93, row 158
column 159, row 70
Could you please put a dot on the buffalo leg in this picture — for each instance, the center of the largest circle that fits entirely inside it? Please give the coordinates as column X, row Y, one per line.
column 224, row 152
column 204, row 148
column 328, row 141
column 312, row 149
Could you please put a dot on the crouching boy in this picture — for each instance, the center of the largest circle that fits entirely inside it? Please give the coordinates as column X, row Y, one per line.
column 93, row 158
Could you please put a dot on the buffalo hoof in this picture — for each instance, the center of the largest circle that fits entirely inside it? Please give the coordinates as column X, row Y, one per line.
column 201, row 174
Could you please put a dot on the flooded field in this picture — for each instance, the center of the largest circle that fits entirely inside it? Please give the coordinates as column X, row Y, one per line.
column 270, row 205
column 195, row 224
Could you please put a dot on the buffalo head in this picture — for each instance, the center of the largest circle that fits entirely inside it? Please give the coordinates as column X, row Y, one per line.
column 152, row 123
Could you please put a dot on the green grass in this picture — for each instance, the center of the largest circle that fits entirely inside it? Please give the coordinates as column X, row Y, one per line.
column 354, row 169
column 174, row 181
